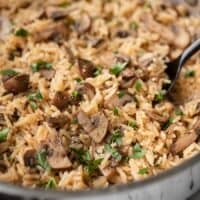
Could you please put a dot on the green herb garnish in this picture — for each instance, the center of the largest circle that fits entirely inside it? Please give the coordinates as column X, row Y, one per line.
column 159, row 96
column 51, row 184
column 138, row 85
column 78, row 80
column 168, row 123
column 114, row 153
column 8, row 72
column 116, row 137
column 97, row 71
column 3, row 134
column 178, row 112
column 133, row 124
column 143, row 171
column 75, row 93
column 118, row 68
column 134, row 25
column 64, row 4
column 138, row 152
column 33, row 98
column 121, row 94
column 22, row 32
column 40, row 65
column 116, row 111
column 42, row 160
column 85, row 159
column 190, row 73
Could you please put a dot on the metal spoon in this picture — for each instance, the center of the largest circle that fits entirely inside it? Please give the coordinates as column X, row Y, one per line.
column 174, row 67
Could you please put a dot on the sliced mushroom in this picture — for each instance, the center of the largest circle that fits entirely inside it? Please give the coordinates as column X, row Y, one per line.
column 183, row 142
column 87, row 89
column 100, row 126
column 58, row 122
column 57, row 159
column 96, row 125
column 146, row 60
column 175, row 34
column 16, row 84
column 154, row 115
column 61, row 100
column 4, row 146
column 48, row 74
column 30, row 158
column 116, row 101
column 3, row 166
column 84, row 121
column 83, row 24
column 70, row 54
column 122, row 34
column 51, row 31
column 56, row 12
column 128, row 77
column 86, row 68
column 5, row 27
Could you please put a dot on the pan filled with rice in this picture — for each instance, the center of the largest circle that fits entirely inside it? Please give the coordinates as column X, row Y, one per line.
column 82, row 104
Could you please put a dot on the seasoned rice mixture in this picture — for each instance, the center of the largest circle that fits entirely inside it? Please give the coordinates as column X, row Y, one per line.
column 82, row 103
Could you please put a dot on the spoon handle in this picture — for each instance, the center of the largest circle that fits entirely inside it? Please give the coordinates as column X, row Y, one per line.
column 191, row 50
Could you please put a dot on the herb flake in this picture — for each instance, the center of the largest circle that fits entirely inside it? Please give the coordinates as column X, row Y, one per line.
column 37, row 66
column 116, row 137
column 143, row 171
column 118, row 68
column 51, row 184
column 114, row 153
column 138, row 152
column 3, row 134
column 42, row 160
column 8, row 72
column 189, row 73
column 21, row 32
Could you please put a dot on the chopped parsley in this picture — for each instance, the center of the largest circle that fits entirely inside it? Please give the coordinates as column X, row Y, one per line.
column 78, row 80
column 3, row 134
column 116, row 111
column 114, row 153
column 64, row 4
column 97, row 71
column 159, row 96
column 178, row 112
column 8, row 72
column 143, row 171
column 85, row 159
column 51, row 184
column 42, row 160
column 133, row 124
column 138, row 85
column 37, row 66
column 168, row 123
column 22, row 32
column 134, row 25
column 75, row 94
column 138, row 152
column 121, row 94
column 116, row 137
column 33, row 98
column 190, row 73
column 118, row 68
column 74, row 120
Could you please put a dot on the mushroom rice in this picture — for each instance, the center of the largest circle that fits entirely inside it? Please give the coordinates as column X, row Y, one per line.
column 82, row 103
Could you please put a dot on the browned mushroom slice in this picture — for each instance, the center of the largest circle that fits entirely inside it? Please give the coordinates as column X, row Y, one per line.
column 58, row 121
column 61, row 100
column 128, row 78
column 100, row 126
column 30, row 158
column 83, row 24
column 86, row 68
column 87, row 89
column 96, row 125
column 122, row 34
column 156, row 116
column 84, row 121
column 58, row 158
column 3, row 166
column 116, row 101
column 48, row 74
column 16, row 84
column 52, row 31
column 146, row 60
column 56, row 12
column 183, row 142
column 4, row 146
